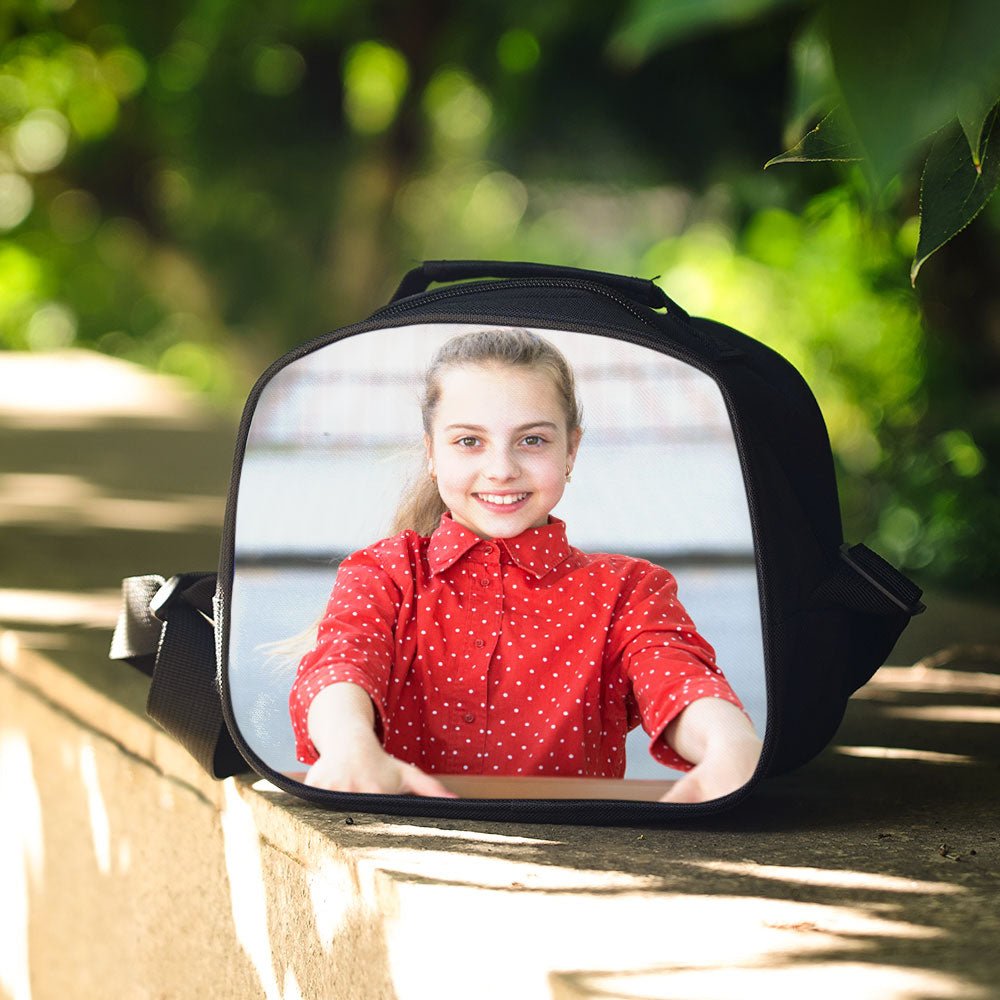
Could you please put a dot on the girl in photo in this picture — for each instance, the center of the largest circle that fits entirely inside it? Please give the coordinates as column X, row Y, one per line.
column 477, row 640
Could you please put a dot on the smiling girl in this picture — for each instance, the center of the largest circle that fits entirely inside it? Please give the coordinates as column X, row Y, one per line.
column 477, row 640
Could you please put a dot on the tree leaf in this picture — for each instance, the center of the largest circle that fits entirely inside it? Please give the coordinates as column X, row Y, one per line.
column 814, row 88
column 905, row 69
column 650, row 25
column 829, row 140
column 973, row 107
column 952, row 190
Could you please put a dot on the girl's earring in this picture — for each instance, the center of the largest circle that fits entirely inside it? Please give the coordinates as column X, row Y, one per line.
column 431, row 473
column 569, row 475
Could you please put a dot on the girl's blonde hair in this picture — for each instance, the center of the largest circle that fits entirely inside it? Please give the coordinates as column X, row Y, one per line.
column 421, row 505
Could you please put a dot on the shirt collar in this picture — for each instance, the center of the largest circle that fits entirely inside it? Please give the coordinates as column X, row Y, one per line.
column 536, row 550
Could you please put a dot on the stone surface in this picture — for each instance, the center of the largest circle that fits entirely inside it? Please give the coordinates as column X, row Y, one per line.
column 873, row 871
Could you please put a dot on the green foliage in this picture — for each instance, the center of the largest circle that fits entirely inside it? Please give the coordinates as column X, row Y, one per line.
column 900, row 73
column 650, row 24
column 885, row 78
column 197, row 189
column 829, row 293
column 906, row 68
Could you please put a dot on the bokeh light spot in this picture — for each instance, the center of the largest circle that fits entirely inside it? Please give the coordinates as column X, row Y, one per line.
column 40, row 140
column 277, row 70
column 21, row 277
column 496, row 206
column 74, row 215
column 51, row 327
column 121, row 242
column 518, row 50
column 899, row 529
column 375, row 80
column 459, row 110
column 181, row 66
column 961, row 453
column 13, row 97
column 16, row 200
column 173, row 192
column 124, row 71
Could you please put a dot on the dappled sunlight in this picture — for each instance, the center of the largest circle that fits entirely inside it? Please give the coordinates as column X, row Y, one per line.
column 247, row 891
column 22, row 861
column 333, row 893
column 489, row 872
column 404, row 830
column 292, row 989
column 831, row 878
column 904, row 753
column 77, row 389
column 701, row 938
column 946, row 713
column 818, row 981
column 100, row 829
column 903, row 692
column 921, row 678
column 57, row 607
column 51, row 498
column 267, row 787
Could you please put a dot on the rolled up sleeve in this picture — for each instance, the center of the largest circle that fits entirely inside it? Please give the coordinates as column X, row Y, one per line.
column 666, row 662
column 354, row 643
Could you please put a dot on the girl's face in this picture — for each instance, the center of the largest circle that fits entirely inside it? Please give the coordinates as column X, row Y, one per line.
column 500, row 448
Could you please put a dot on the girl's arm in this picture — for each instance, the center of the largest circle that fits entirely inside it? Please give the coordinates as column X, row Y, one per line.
column 354, row 643
column 721, row 743
column 671, row 669
column 341, row 723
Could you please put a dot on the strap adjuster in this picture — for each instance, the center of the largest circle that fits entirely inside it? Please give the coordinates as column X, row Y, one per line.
column 171, row 592
column 869, row 565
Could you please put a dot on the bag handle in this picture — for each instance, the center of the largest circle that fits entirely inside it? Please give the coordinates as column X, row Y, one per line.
column 640, row 290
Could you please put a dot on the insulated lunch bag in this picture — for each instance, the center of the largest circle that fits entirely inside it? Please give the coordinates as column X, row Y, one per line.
column 704, row 453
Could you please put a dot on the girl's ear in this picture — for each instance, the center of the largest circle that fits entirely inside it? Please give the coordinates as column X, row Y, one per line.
column 428, row 450
column 574, row 442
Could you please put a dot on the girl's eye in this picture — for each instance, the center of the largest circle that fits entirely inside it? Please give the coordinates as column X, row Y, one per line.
column 533, row 440
column 468, row 441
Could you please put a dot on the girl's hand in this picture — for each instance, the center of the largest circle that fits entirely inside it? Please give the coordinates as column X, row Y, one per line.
column 351, row 759
column 718, row 738
column 368, row 768
column 717, row 775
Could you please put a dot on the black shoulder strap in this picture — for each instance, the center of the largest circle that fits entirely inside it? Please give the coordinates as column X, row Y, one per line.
column 165, row 629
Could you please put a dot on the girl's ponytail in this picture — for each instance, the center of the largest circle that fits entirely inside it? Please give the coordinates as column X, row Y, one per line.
column 420, row 508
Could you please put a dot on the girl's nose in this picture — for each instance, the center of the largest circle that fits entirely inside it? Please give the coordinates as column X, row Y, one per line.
column 501, row 465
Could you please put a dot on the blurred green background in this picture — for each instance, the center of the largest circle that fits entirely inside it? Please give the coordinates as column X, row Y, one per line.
column 199, row 186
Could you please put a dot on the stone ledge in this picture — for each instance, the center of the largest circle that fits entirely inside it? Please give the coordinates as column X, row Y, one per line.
column 139, row 875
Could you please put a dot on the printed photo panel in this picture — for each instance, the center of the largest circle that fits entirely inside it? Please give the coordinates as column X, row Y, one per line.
column 336, row 437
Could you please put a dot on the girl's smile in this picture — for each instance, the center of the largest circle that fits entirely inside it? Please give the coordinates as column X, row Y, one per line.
column 502, row 499
column 500, row 448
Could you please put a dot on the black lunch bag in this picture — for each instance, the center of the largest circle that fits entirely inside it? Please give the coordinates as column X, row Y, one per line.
column 827, row 614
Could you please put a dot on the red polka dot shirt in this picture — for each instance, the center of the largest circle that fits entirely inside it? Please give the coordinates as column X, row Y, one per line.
column 508, row 656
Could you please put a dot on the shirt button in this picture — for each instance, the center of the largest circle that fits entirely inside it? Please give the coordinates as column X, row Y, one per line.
column 485, row 581
column 480, row 643
column 469, row 717
column 487, row 549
